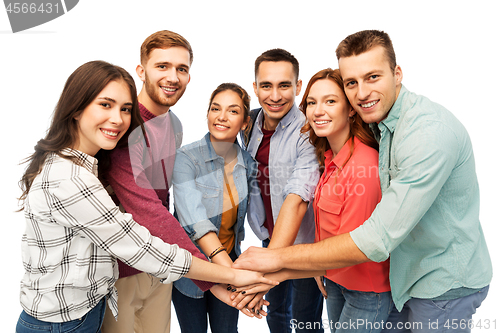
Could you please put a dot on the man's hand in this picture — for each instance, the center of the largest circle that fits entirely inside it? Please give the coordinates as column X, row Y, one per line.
column 259, row 259
column 321, row 285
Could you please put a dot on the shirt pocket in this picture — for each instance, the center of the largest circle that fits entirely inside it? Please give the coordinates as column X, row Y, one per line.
column 329, row 216
column 210, row 199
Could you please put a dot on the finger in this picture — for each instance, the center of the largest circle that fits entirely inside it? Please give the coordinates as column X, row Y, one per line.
column 269, row 281
column 243, row 303
column 257, row 301
column 239, row 297
column 247, row 312
column 255, row 289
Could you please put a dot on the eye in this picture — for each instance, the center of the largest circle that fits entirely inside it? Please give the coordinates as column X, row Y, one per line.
column 104, row 104
column 310, row 103
column 330, row 101
column 126, row 109
column 214, row 109
column 350, row 84
column 285, row 86
column 374, row 76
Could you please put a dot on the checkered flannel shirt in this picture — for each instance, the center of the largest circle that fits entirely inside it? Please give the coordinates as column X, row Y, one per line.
column 74, row 233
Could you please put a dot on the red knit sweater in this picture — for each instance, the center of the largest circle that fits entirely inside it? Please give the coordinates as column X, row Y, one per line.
column 149, row 204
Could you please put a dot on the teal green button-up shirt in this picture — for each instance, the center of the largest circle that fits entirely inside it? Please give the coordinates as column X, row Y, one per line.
column 428, row 218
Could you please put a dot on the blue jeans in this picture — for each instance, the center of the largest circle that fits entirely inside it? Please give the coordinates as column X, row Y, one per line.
column 295, row 303
column 424, row 315
column 90, row 323
column 356, row 311
column 192, row 313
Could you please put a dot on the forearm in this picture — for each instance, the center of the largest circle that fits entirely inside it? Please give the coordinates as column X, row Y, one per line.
column 289, row 274
column 202, row 270
column 288, row 222
column 334, row 252
column 209, row 243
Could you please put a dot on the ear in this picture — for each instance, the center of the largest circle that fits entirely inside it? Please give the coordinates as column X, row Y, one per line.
column 299, row 87
column 351, row 112
column 78, row 116
column 398, row 74
column 141, row 72
column 245, row 124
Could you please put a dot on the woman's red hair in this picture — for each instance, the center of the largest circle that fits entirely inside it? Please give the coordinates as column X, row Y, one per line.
column 358, row 128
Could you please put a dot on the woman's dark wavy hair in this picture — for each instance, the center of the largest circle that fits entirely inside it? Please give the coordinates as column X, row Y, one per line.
column 81, row 88
column 245, row 98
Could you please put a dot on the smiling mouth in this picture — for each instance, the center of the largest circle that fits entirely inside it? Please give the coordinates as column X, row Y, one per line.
column 275, row 106
column 221, row 127
column 368, row 105
column 322, row 122
column 169, row 90
column 110, row 133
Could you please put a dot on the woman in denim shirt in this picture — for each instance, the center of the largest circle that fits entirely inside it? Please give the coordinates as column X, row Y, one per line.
column 212, row 180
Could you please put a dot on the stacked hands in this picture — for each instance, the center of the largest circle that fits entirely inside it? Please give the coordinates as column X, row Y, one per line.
column 249, row 297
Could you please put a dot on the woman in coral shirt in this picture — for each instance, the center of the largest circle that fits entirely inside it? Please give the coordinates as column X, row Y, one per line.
column 346, row 195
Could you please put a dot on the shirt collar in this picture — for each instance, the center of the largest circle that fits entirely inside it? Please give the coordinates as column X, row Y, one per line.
column 342, row 155
column 284, row 122
column 84, row 160
column 209, row 153
column 395, row 112
column 145, row 113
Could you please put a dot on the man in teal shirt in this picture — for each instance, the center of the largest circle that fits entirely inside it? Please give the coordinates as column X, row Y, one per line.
column 428, row 218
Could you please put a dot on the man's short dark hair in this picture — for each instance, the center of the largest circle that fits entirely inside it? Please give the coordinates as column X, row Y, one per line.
column 276, row 55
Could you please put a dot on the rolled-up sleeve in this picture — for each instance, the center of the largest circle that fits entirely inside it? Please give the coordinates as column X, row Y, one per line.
column 305, row 174
column 424, row 160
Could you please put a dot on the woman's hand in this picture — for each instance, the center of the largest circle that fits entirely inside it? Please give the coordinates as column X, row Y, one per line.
column 244, row 278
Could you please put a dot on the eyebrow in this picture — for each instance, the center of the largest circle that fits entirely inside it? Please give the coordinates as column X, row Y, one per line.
column 270, row 83
column 169, row 63
column 109, row 99
column 231, row 106
column 370, row 73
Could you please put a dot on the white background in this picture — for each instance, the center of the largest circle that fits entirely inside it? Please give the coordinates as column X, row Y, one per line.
column 448, row 51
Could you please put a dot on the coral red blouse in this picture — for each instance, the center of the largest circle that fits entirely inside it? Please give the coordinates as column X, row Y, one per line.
column 345, row 197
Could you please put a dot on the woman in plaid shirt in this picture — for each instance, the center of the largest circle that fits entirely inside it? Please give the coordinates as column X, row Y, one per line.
column 74, row 232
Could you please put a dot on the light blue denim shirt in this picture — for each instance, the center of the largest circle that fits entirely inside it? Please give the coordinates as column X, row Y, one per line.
column 293, row 167
column 198, row 186
column 428, row 218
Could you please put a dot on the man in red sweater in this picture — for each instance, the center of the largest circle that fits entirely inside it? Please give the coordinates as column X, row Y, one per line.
column 139, row 177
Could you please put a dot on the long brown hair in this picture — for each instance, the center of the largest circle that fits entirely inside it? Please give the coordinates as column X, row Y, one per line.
column 358, row 128
column 81, row 88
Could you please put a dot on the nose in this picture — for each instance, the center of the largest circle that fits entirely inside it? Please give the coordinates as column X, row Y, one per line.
column 116, row 116
column 275, row 95
column 319, row 109
column 171, row 75
column 363, row 91
column 222, row 115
